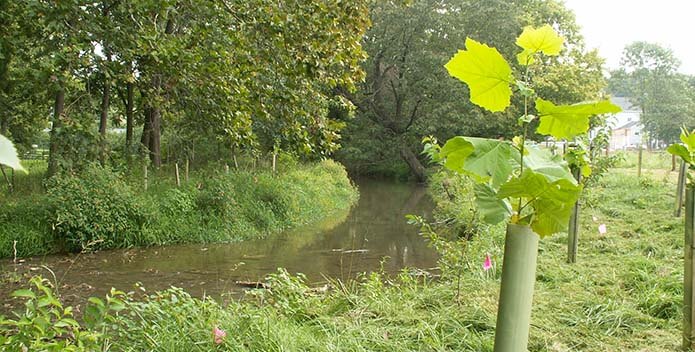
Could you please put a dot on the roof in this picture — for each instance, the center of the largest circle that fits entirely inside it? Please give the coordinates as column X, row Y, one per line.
column 624, row 103
column 627, row 125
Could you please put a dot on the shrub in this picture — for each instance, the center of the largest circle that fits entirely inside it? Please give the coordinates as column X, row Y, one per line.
column 177, row 201
column 216, row 197
column 94, row 210
column 455, row 206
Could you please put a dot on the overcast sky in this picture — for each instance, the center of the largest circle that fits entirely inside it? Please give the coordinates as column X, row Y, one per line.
column 609, row 25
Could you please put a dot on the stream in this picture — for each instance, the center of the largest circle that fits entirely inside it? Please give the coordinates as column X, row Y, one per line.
column 371, row 236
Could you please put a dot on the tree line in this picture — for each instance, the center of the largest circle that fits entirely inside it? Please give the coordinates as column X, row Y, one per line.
column 248, row 75
column 408, row 94
column 649, row 76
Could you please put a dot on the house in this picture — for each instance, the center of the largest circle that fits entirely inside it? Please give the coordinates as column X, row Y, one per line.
column 626, row 129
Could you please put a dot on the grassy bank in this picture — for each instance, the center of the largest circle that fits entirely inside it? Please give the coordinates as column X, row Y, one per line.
column 102, row 209
column 624, row 294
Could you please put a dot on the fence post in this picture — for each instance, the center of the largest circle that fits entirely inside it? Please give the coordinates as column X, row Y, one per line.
column 639, row 161
column 145, row 174
column 275, row 159
column 186, row 170
column 178, row 178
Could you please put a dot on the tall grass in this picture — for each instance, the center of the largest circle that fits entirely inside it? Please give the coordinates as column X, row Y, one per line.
column 101, row 209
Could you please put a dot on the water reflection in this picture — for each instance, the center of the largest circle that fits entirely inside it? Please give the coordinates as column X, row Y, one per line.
column 372, row 234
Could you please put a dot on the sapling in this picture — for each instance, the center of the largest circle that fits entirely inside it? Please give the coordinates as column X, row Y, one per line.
column 517, row 181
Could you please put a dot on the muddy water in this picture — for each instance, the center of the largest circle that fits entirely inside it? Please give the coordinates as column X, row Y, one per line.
column 372, row 235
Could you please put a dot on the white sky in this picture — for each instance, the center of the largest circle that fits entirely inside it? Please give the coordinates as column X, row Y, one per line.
column 609, row 25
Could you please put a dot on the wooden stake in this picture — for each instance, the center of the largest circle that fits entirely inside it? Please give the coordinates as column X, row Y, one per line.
column 275, row 158
column 186, row 170
column 688, row 298
column 145, row 173
column 226, row 168
column 178, row 178
column 680, row 189
column 639, row 162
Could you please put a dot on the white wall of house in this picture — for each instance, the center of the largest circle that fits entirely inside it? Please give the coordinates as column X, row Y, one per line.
column 625, row 126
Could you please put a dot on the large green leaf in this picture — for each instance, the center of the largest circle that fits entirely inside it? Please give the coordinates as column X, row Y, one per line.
column 542, row 162
column 551, row 201
column 680, row 150
column 487, row 74
column 534, row 40
column 493, row 209
column 491, row 160
column 455, row 152
column 551, row 217
column 567, row 121
column 688, row 139
column 8, row 155
column 486, row 160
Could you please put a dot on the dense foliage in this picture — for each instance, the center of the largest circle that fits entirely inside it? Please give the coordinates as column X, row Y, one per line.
column 100, row 208
column 407, row 96
column 666, row 99
column 94, row 210
column 241, row 75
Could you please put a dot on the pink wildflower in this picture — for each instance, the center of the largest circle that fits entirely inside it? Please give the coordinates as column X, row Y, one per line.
column 487, row 264
column 602, row 229
column 219, row 335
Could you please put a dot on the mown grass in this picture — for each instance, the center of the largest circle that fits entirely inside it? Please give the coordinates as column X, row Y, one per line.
column 103, row 209
column 623, row 294
column 656, row 159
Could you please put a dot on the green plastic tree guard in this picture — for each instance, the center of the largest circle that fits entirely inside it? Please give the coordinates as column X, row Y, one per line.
column 573, row 229
column 680, row 189
column 688, row 299
column 516, row 293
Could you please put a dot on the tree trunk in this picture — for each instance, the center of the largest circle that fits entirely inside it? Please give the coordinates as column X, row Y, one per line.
column 4, row 126
column 104, row 108
column 129, row 119
column 103, row 120
column 53, row 148
column 414, row 164
column 155, row 138
column 146, row 132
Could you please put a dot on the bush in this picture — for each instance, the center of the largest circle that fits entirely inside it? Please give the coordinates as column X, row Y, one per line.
column 454, row 205
column 177, row 202
column 94, row 210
